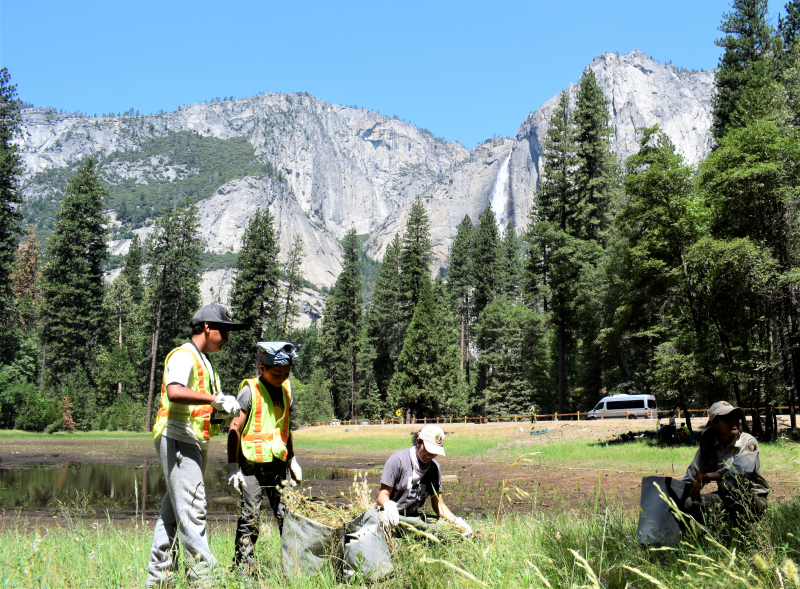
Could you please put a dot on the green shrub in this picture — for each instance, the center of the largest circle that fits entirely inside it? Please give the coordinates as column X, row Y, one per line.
column 124, row 414
column 36, row 412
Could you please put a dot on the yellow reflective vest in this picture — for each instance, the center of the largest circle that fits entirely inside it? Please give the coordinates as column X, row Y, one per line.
column 265, row 437
column 199, row 416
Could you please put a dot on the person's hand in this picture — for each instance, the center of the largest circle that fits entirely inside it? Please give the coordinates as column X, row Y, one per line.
column 234, row 478
column 297, row 472
column 391, row 514
column 227, row 406
column 697, row 486
column 467, row 529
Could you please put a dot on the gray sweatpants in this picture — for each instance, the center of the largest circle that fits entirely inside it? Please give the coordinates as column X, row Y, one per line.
column 183, row 510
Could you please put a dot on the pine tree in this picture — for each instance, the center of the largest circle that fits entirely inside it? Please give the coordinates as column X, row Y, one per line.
column 174, row 250
column 415, row 256
column 368, row 400
column 555, row 198
column 132, row 269
column 551, row 275
column 428, row 380
column 487, row 263
column 346, row 319
column 510, row 264
column 748, row 49
column 293, row 274
column 594, row 160
column 253, row 296
column 460, row 284
column 72, row 278
column 512, row 354
column 25, row 281
column 10, row 198
column 116, row 359
column 384, row 320
column 313, row 401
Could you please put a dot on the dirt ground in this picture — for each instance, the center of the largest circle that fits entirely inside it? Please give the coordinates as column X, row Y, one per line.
column 471, row 486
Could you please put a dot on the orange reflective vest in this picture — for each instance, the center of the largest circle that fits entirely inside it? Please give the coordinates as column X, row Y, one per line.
column 265, row 437
column 199, row 416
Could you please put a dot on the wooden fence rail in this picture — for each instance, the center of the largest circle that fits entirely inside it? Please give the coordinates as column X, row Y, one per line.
column 580, row 416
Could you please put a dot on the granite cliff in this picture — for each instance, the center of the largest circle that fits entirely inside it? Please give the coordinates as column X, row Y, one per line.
column 641, row 93
column 334, row 167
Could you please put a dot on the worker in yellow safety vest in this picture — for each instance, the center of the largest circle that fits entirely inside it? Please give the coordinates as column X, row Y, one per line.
column 260, row 452
column 192, row 408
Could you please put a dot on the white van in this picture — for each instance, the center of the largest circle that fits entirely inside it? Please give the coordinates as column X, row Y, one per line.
column 622, row 406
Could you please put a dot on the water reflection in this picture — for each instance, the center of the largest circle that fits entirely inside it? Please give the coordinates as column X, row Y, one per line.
column 83, row 489
column 321, row 473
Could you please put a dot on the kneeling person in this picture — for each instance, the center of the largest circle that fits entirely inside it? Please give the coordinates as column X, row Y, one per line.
column 730, row 458
column 411, row 475
column 260, row 451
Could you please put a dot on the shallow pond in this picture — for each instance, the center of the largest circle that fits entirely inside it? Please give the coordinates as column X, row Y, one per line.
column 94, row 489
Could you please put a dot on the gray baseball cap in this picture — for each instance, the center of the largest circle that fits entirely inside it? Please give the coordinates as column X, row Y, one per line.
column 216, row 313
column 721, row 408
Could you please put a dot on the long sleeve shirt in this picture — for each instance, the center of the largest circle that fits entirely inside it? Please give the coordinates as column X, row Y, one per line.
column 737, row 459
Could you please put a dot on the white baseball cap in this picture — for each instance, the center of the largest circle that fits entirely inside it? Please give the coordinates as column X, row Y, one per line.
column 432, row 437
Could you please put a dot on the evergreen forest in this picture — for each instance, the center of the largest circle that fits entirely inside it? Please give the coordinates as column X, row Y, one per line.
column 645, row 276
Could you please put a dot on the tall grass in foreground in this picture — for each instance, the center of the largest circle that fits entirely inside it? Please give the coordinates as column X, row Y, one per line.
column 532, row 550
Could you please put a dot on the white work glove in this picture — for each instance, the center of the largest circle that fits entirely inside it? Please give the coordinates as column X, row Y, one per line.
column 297, row 472
column 227, row 406
column 390, row 514
column 234, row 477
column 464, row 526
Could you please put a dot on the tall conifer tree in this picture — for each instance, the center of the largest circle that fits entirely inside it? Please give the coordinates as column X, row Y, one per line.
column 551, row 272
column 293, row 274
column 428, row 381
column 10, row 170
column 174, row 250
column 384, row 321
column 594, row 160
column 26, row 280
column 347, row 317
column 416, row 256
column 72, row 277
column 748, row 51
column 486, row 256
column 132, row 269
column 460, row 284
column 253, row 295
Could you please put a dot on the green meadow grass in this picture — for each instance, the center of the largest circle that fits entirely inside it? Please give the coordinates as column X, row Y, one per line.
column 594, row 550
column 8, row 434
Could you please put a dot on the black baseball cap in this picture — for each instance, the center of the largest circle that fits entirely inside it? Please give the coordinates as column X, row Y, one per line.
column 216, row 313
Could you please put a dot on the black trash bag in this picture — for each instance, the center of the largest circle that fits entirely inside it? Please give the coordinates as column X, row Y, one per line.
column 365, row 548
column 658, row 526
column 307, row 545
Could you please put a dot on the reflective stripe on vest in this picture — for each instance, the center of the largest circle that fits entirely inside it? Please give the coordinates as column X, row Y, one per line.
column 263, row 436
column 199, row 416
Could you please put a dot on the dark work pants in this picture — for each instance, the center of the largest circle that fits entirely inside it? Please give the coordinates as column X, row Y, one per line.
column 737, row 507
column 263, row 481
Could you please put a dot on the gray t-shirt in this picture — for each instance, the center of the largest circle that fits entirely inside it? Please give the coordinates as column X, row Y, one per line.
column 411, row 486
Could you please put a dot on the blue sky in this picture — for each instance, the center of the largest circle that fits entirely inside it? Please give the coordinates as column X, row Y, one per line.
column 465, row 70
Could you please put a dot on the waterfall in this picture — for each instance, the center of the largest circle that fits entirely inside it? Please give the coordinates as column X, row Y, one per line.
column 499, row 194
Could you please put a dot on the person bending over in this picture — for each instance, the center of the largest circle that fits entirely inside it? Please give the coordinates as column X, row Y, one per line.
column 730, row 458
column 260, row 445
column 411, row 475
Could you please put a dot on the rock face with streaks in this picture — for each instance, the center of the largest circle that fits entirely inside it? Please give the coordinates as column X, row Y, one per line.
column 343, row 167
column 641, row 93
